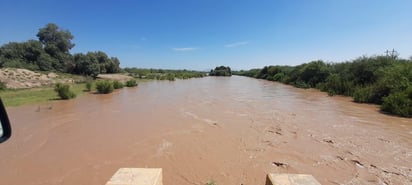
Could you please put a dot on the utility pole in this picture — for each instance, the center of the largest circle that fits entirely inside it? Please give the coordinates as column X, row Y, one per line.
column 392, row 54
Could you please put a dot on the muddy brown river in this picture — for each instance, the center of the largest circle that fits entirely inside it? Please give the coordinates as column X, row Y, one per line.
column 231, row 130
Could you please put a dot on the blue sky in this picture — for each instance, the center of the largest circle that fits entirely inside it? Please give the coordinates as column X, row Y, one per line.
column 201, row 34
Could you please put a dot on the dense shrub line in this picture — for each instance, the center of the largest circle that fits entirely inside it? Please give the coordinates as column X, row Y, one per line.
column 163, row 74
column 382, row 80
column 106, row 86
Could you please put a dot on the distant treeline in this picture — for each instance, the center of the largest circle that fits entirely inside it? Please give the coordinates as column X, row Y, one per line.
column 163, row 74
column 51, row 53
column 383, row 80
column 221, row 71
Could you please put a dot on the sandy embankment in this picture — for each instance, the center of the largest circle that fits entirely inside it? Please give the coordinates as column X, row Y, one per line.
column 24, row 78
column 119, row 77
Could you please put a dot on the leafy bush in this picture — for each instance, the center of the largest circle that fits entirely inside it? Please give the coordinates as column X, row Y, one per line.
column 399, row 103
column 313, row 73
column 301, row 84
column 279, row 77
column 131, row 83
column 211, row 183
column 89, row 86
column 336, row 85
column 104, row 87
column 117, row 85
column 64, row 92
column 371, row 94
column 270, row 78
column 363, row 95
column 170, row 77
column 2, row 85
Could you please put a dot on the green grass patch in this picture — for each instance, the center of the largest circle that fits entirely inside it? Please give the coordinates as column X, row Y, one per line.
column 18, row 97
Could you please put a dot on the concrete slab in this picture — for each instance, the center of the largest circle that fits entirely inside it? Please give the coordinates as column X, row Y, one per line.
column 290, row 179
column 137, row 176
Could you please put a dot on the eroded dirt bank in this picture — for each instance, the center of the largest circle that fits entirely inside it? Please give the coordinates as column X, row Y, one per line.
column 232, row 130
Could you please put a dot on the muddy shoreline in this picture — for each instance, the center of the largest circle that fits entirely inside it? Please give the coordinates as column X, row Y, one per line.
column 230, row 130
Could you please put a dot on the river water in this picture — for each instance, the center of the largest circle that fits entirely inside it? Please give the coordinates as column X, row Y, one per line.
column 231, row 130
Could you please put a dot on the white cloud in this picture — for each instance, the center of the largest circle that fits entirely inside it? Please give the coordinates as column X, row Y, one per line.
column 236, row 44
column 185, row 49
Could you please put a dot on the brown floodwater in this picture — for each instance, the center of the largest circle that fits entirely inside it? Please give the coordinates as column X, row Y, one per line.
column 231, row 130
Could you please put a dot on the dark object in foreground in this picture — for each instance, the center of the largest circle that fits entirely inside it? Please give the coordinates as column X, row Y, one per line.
column 5, row 129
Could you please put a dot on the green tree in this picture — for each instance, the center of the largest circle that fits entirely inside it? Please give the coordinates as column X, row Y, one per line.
column 221, row 71
column 86, row 64
column 55, row 39
column 12, row 55
column 29, row 55
column 52, row 53
column 57, row 43
column 113, row 66
column 314, row 73
column 94, row 63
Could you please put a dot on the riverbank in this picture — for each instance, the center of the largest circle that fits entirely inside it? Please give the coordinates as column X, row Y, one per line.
column 22, row 86
column 25, row 87
column 382, row 80
column 41, row 95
